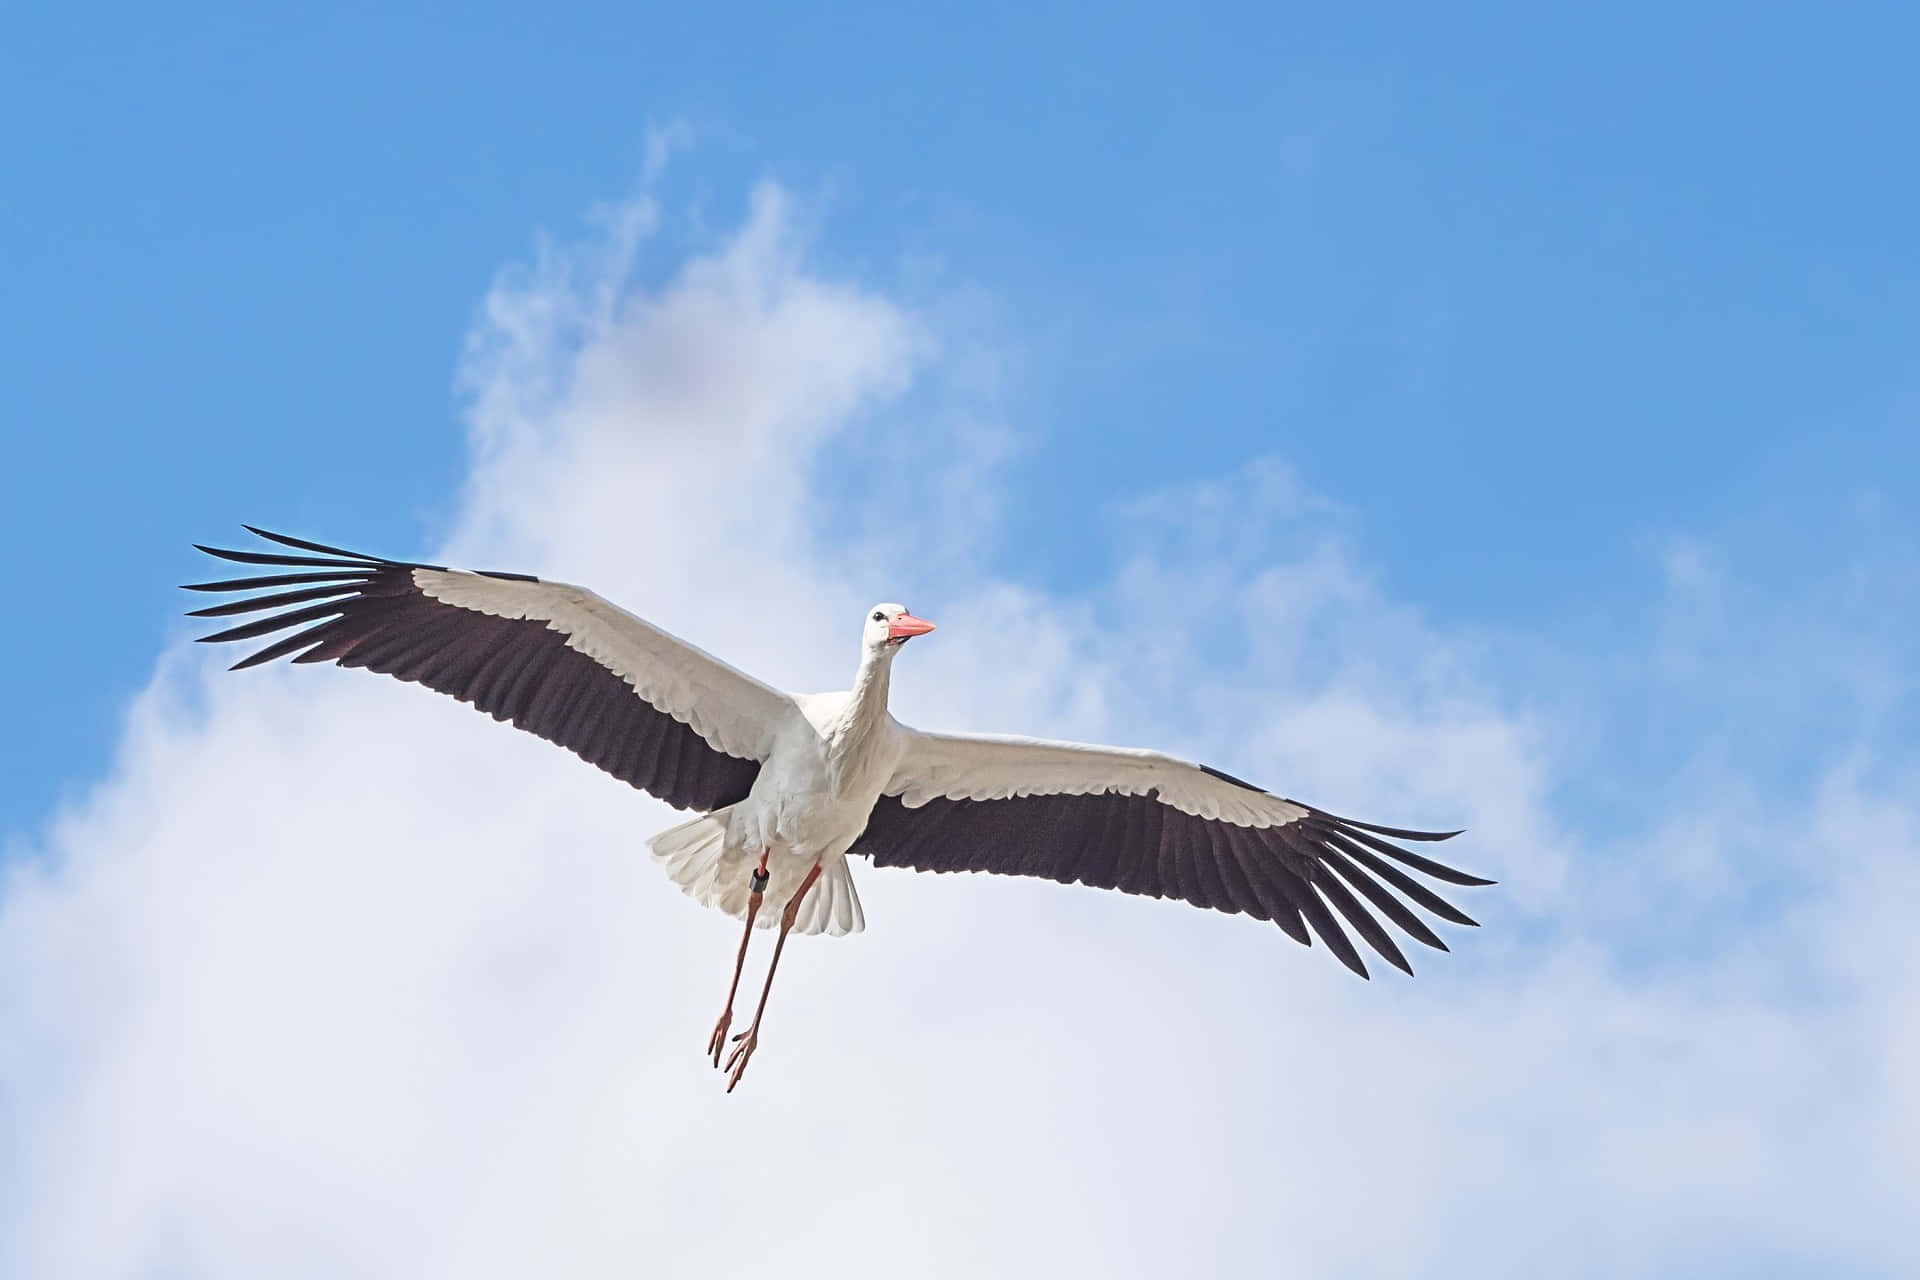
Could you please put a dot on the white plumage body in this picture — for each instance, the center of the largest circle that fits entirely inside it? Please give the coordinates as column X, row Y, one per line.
column 810, row 803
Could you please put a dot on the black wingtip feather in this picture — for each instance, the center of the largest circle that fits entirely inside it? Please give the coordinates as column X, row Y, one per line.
column 321, row 547
column 1397, row 833
column 276, row 622
column 1363, row 833
column 345, row 577
column 1412, row 889
column 277, row 600
column 1363, row 922
column 264, row 557
column 1389, row 906
column 281, row 648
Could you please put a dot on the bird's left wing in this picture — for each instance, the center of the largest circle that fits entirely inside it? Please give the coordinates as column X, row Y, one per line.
column 1146, row 823
column 556, row 660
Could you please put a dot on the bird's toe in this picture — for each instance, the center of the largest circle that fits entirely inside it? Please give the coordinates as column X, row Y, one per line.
column 718, row 1040
column 737, row 1060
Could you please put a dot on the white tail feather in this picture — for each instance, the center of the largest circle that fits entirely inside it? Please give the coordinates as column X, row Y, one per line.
column 695, row 857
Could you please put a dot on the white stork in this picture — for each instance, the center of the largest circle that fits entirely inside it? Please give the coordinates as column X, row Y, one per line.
column 787, row 786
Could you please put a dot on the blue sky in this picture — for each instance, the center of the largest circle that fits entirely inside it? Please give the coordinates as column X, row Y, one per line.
column 1584, row 339
column 1525, row 288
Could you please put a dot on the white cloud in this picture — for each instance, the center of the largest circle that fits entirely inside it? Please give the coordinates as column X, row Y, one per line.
column 662, row 141
column 334, row 977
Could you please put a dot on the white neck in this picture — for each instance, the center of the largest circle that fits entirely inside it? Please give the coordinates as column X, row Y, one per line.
column 867, row 700
column 852, row 740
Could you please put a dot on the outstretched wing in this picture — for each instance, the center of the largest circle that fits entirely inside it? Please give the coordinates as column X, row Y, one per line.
column 1146, row 823
column 556, row 660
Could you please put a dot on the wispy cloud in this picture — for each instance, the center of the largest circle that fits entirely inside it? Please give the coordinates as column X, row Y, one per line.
column 332, row 976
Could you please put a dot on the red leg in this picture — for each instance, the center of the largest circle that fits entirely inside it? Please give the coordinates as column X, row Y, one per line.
column 737, row 1062
column 718, row 1039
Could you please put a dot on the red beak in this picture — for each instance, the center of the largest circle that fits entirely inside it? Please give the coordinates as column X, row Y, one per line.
column 907, row 625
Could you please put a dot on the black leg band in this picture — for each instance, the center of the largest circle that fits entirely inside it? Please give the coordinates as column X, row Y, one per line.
column 759, row 879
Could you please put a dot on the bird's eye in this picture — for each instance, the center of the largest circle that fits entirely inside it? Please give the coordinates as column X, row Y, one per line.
column 879, row 616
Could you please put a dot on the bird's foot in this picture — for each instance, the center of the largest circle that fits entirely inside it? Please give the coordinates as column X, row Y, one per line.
column 718, row 1040
column 742, row 1050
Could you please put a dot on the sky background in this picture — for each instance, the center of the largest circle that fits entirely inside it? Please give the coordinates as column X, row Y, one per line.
column 1493, row 418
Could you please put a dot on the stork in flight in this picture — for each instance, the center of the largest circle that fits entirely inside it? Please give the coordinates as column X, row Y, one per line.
column 788, row 786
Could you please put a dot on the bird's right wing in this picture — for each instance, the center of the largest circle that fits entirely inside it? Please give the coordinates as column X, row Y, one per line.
column 556, row 660
column 1146, row 823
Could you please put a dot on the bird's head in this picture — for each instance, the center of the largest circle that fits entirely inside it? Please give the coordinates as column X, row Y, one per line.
column 889, row 626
